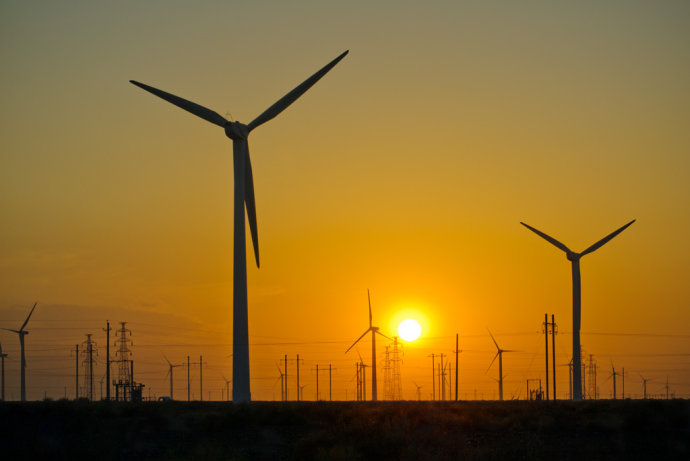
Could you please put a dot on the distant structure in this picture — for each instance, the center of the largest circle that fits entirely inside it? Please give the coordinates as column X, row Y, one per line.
column 244, row 198
column 499, row 354
column 88, row 352
column 574, row 258
column 591, row 367
column 22, row 332
column 126, row 389
column 392, row 380
column 170, row 372
column 374, row 331
column 2, row 357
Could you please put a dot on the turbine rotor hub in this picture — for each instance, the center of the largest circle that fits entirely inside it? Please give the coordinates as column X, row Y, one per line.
column 236, row 130
column 573, row 256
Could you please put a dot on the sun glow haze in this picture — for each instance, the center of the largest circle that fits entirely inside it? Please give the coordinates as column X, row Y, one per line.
column 409, row 329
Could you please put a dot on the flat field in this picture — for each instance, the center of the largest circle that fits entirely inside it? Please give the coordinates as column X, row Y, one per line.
column 651, row 429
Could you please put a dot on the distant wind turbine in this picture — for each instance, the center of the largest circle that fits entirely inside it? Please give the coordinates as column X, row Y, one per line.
column 21, row 332
column 574, row 258
column 244, row 196
column 170, row 372
column 499, row 354
column 227, row 386
column 374, row 331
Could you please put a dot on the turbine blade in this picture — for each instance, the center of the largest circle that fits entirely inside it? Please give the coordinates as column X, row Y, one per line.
column 13, row 331
column 353, row 344
column 189, row 106
column 292, row 96
column 494, row 340
column 548, row 238
column 166, row 375
column 28, row 317
column 390, row 339
column 251, row 204
column 166, row 359
column 369, row 299
column 492, row 362
column 603, row 241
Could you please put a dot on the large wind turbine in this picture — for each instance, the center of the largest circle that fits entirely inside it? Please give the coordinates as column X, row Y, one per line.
column 244, row 196
column 21, row 332
column 374, row 331
column 499, row 354
column 574, row 258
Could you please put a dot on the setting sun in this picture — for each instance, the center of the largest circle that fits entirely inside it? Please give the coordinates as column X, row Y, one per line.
column 409, row 329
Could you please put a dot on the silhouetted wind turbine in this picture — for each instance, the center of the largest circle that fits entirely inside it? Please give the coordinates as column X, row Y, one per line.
column 227, row 386
column 170, row 372
column 574, row 258
column 499, row 354
column 374, row 331
column 2, row 357
column 21, row 332
column 244, row 196
column 613, row 374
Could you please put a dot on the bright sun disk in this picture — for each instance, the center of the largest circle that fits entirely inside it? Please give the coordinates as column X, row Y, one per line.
column 409, row 329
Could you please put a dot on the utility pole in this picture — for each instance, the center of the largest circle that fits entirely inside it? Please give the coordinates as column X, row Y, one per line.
column 317, row 382
column 2, row 357
column 188, row 387
column 107, row 360
column 457, row 351
column 623, row 376
column 201, row 382
column 433, row 378
column 330, row 383
column 359, row 383
column 546, row 344
column 286, row 375
column 553, row 352
column 76, row 372
column 298, row 388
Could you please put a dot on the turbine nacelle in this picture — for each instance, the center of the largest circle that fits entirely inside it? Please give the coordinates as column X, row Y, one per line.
column 236, row 130
column 573, row 256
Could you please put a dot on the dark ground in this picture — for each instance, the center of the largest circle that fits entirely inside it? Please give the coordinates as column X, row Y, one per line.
column 651, row 429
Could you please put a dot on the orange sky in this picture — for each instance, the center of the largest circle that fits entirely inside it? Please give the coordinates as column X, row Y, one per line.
column 406, row 170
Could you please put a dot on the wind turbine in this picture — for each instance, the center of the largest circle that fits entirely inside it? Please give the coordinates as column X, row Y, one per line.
column 227, row 386
column 499, row 354
column 243, row 196
column 170, row 372
column 374, row 331
column 21, row 332
column 574, row 258
column 644, row 386
column 613, row 374
column 2, row 357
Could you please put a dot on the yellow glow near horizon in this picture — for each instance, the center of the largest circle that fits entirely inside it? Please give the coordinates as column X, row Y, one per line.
column 409, row 329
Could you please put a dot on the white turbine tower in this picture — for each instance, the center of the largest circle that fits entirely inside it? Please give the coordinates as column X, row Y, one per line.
column 374, row 331
column 243, row 196
column 499, row 354
column 574, row 258
column 22, row 332
column 170, row 372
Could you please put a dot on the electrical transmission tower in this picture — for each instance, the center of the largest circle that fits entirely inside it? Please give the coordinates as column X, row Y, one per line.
column 387, row 378
column 396, row 360
column 592, row 378
column 89, row 350
column 126, row 389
